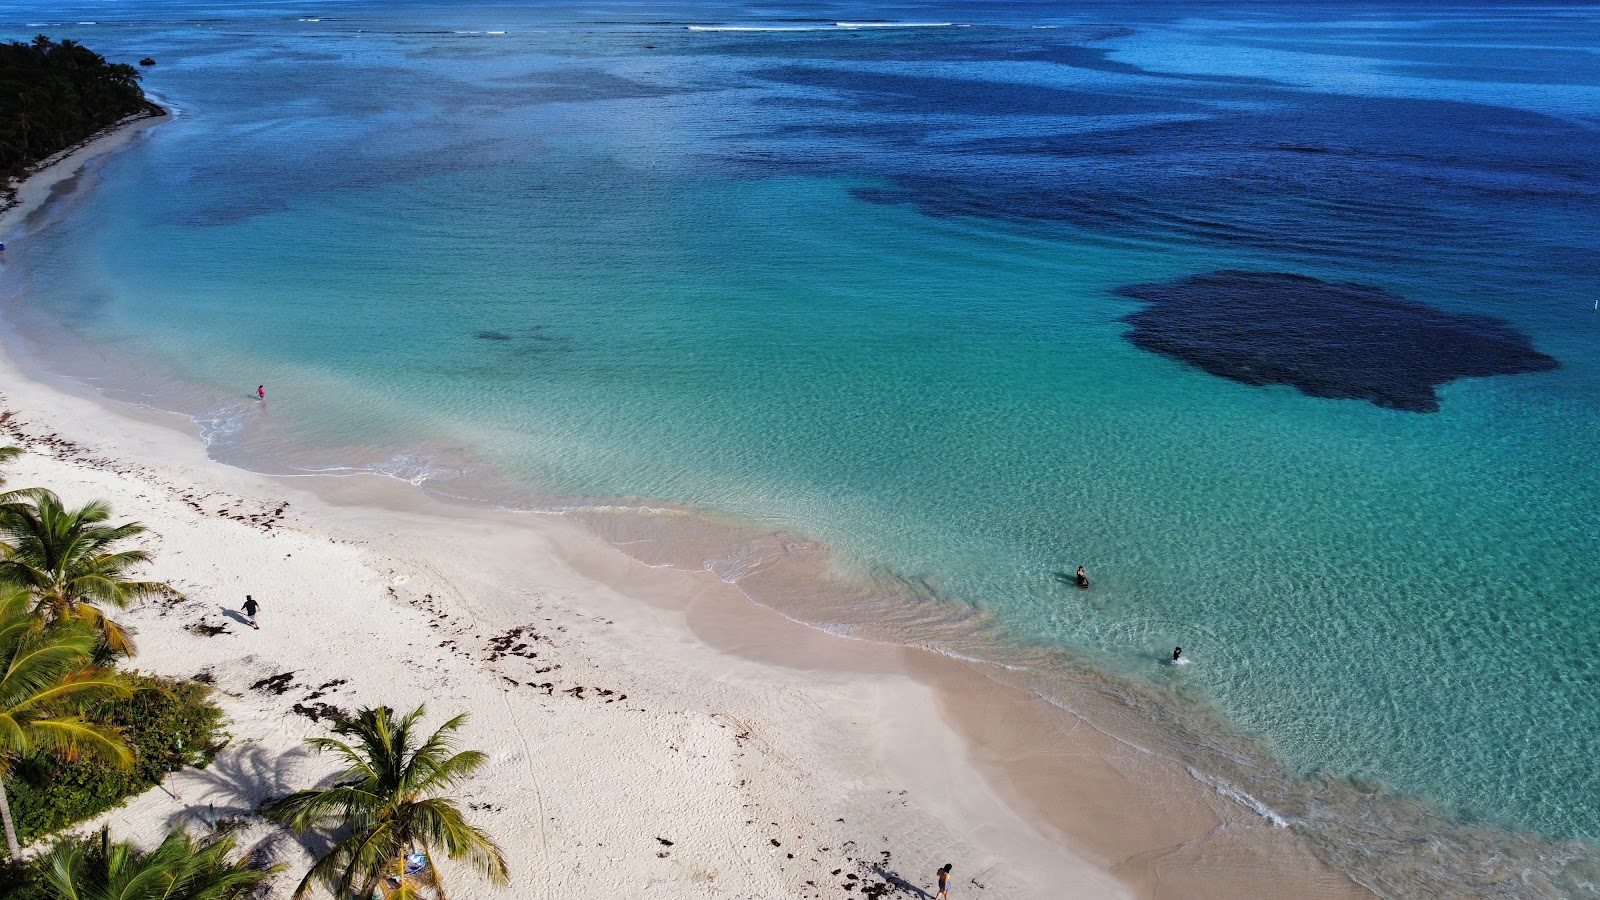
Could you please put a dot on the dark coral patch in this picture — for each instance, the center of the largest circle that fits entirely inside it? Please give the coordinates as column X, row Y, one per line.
column 1343, row 341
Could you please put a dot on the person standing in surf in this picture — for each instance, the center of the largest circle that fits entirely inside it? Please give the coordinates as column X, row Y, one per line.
column 261, row 392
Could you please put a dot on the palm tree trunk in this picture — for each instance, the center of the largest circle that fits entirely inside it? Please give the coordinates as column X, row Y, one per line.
column 11, row 828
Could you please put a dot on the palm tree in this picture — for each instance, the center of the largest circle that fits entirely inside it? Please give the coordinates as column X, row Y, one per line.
column 8, row 454
column 64, row 557
column 44, row 673
column 180, row 869
column 387, row 804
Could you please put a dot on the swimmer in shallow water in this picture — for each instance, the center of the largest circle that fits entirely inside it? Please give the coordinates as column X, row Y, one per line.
column 1176, row 652
column 1083, row 580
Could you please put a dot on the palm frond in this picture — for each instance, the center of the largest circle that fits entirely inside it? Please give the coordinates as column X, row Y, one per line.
column 181, row 868
column 73, row 736
column 388, row 802
column 438, row 823
column 318, row 807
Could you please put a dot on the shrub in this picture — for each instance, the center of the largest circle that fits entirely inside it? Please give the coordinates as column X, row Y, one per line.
column 169, row 723
column 24, row 879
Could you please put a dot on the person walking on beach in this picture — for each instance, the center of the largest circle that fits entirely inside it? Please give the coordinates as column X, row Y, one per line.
column 944, row 883
column 261, row 392
column 250, row 607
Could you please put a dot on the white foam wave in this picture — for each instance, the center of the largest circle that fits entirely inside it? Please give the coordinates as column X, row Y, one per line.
column 895, row 24
column 611, row 507
column 414, row 470
column 222, row 423
column 760, row 27
column 1241, row 798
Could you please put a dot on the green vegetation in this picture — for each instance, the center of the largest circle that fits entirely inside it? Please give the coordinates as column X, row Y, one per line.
column 93, row 868
column 386, row 806
column 53, row 95
column 24, row 879
column 181, row 868
column 77, row 737
column 168, row 724
column 65, row 558
column 46, row 675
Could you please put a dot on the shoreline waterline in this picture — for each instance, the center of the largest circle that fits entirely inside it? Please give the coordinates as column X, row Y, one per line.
column 1131, row 717
column 1140, row 801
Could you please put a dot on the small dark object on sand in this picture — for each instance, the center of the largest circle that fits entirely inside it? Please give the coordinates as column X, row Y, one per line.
column 276, row 684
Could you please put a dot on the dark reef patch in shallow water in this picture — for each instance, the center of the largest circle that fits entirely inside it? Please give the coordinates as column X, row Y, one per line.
column 1341, row 341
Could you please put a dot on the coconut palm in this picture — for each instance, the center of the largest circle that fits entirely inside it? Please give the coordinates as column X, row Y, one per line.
column 45, row 673
column 386, row 806
column 65, row 557
column 182, row 868
column 8, row 454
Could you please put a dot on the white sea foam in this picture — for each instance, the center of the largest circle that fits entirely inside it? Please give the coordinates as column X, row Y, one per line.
column 413, row 469
column 1240, row 797
column 222, row 423
column 760, row 27
column 895, row 24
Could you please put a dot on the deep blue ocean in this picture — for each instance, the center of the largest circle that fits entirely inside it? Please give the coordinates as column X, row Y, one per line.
column 788, row 264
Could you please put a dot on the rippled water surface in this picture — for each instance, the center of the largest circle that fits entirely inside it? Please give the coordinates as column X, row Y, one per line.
column 861, row 283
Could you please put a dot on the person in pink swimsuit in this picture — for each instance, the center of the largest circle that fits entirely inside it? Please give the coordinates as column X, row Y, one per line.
column 261, row 392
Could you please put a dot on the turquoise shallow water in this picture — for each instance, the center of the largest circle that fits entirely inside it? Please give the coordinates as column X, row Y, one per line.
column 858, row 285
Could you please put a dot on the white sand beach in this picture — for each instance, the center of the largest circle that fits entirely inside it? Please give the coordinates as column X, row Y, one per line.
column 650, row 731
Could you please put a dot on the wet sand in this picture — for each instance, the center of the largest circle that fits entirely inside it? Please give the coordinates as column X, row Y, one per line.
column 650, row 730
